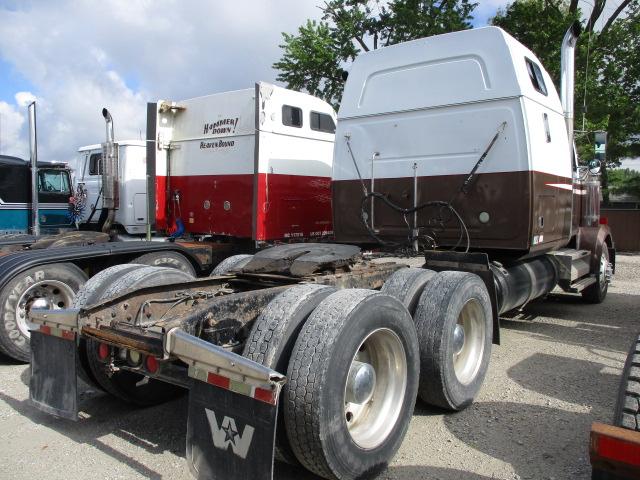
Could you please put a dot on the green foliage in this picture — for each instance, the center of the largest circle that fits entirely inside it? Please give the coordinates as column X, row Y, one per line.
column 540, row 25
column 624, row 181
column 313, row 60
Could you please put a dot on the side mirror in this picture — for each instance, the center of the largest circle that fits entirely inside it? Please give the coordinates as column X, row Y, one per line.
column 600, row 145
column 594, row 166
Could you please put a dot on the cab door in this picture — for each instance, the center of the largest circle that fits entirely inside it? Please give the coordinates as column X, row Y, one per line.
column 54, row 190
column 92, row 180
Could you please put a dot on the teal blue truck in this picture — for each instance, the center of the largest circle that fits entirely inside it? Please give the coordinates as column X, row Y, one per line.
column 54, row 190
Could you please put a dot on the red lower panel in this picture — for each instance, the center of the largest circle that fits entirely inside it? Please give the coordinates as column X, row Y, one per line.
column 288, row 207
column 293, row 207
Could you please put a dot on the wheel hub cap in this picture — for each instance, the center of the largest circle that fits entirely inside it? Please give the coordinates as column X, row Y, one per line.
column 375, row 388
column 361, row 382
column 48, row 294
column 467, row 344
column 458, row 339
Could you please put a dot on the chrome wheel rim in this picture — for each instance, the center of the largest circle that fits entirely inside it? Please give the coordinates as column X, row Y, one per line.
column 50, row 294
column 468, row 341
column 375, row 388
column 604, row 275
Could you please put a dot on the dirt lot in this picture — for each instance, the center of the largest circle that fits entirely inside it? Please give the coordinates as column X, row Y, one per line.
column 555, row 372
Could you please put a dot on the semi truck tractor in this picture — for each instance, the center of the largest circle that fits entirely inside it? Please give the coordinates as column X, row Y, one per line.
column 130, row 218
column 227, row 173
column 313, row 353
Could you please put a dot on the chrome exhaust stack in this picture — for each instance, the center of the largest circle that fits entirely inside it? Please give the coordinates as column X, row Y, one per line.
column 33, row 154
column 567, row 78
column 110, row 193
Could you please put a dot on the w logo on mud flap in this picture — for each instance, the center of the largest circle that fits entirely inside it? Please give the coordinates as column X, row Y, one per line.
column 227, row 434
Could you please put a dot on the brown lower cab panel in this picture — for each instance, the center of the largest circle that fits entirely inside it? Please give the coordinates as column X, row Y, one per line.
column 520, row 205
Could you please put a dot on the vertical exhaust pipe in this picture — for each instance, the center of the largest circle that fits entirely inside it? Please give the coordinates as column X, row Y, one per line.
column 110, row 195
column 567, row 75
column 33, row 154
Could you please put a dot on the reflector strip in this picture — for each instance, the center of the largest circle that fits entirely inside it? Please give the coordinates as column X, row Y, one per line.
column 57, row 332
column 264, row 394
column 218, row 381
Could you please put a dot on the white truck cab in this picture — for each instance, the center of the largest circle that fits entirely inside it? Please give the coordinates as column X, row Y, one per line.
column 132, row 166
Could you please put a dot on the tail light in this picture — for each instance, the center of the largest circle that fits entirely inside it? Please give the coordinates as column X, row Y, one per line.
column 103, row 351
column 151, row 364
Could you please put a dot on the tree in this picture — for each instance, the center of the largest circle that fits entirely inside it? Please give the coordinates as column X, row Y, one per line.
column 607, row 68
column 624, row 181
column 313, row 60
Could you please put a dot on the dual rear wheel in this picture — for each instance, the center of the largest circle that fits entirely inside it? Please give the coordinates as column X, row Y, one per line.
column 356, row 360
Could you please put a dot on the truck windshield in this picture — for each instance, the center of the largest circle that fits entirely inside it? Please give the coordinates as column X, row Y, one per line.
column 54, row 181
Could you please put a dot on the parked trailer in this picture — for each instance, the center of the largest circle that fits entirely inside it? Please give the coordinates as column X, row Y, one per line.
column 311, row 352
column 235, row 171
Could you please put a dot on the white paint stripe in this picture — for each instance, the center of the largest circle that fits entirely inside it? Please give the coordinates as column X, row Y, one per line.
column 563, row 186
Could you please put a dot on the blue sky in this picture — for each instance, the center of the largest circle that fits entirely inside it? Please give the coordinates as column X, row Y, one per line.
column 11, row 82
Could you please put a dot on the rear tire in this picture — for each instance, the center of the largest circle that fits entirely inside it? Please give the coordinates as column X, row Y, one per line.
column 627, row 413
column 273, row 336
column 343, row 422
column 406, row 285
column 125, row 384
column 234, row 262
column 455, row 325
column 166, row 259
column 57, row 283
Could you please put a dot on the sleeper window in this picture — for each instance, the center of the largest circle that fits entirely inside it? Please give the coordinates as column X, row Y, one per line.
column 291, row 116
column 321, row 122
column 95, row 164
column 535, row 74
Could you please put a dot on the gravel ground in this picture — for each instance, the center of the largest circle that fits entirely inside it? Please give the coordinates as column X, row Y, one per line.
column 555, row 373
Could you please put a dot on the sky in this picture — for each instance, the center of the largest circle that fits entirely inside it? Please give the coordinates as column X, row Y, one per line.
column 74, row 57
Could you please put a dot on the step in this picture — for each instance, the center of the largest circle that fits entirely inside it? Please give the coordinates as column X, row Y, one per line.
column 580, row 285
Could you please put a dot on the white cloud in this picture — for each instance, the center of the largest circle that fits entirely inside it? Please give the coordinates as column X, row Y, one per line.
column 11, row 125
column 23, row 99
column 81, row 56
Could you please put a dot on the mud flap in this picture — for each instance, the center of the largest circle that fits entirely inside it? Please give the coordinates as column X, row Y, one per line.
column 53, row 387
column 229, row 436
